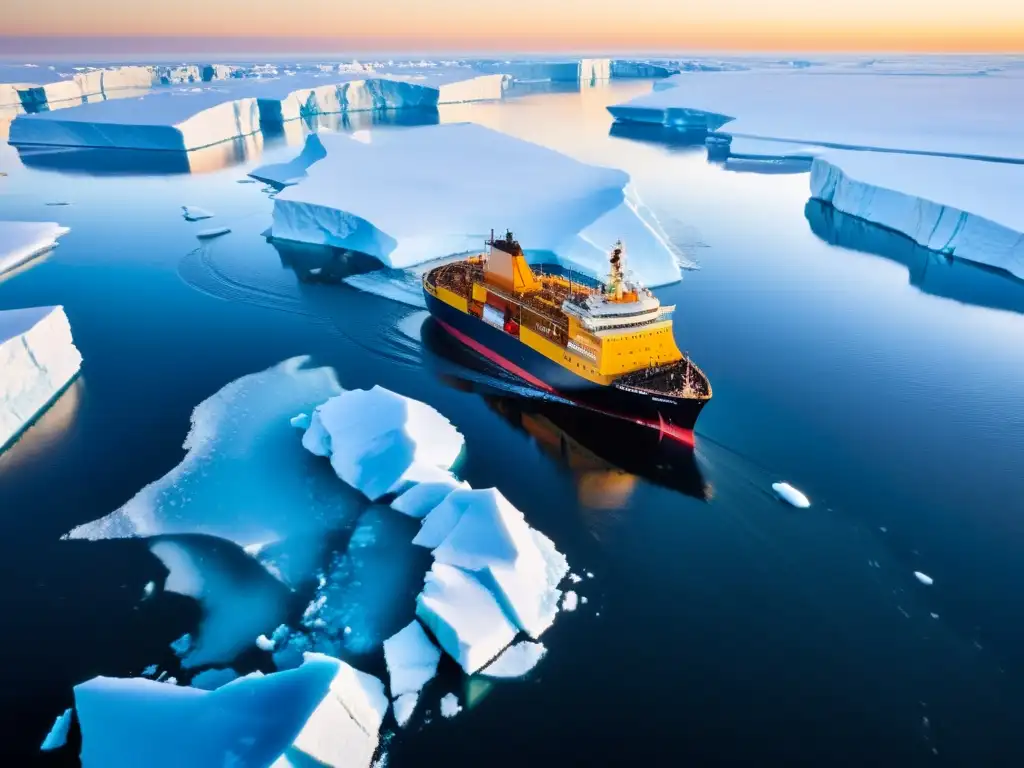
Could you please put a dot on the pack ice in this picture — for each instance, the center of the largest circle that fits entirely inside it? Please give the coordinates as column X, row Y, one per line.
column 380, row 442
column 323, row 713
column 493, row 575
column 418, row 195
column 37, row 360
column 562, row 70
column 23, row 240
column 175, row 120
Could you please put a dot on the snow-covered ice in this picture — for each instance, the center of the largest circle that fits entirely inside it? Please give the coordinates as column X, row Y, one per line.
column 380, row 442
column 58, row 735
column 570, row 601
column 83, row 85
column 464, row 616
column 978, row 117
column 37, row 360
column 195, row 213
column 207, row 234
column 293, row 171
column 23, row 240
column 560, row 70
column 171, row 120
column 324, row 713
column 965, row 208
column 450, row 706
column 427, row 494
column 422, row 194
column 516, row 660
column 924, row 578
column 411, row 659
column 404, row 706
column 791, row 495
column 264, row 643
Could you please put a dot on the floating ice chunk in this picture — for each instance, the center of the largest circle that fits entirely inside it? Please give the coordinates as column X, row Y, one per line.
column 570, row 601
column 195, row 213
column 516, row 660
column 411, row 658
column 935, row 615
column 243, row 478
column 464, row 616
column 206, row 234
column 427, row 494
column 791, row 495
column 293, row 171
column 441, row 520
column 147, row 591
column 965, row 208
column 562, row 206
column 324, row 712
column 301, row 421
column 924, row 578
column 38, row 358
column 182, row 644
column 590, row 575
column 21, row 241
column 377, row 440
column 404, row 706
column 149, row 671
column 574, row 578
column 264, row 643
column 450, row 706
column 212, row 679
column 58, row 735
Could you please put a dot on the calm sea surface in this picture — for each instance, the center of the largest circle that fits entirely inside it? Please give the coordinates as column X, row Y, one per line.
column 721, row 628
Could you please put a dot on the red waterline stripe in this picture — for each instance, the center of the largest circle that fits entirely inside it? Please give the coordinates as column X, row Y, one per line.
column 684, row 436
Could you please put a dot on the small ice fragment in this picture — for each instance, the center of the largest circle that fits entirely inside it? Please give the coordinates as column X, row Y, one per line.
column 574, row 578
column 147, row 591
column 450, row 706
column 924, row 578
column 206, row 234
column 791, row 495
column 58, row 735
column 411, row 659
column 583, row 600
column 182, row 644
column 883, row 529
column 316, row 271
column 404, row 706
column 171, row 681
column 590, row 575
column 348, row 630
column 935, row 615
column 194, row 213
column 516, row 660
column 264, row 643
column 149, row 671
column 569, row 601
column 301, row 421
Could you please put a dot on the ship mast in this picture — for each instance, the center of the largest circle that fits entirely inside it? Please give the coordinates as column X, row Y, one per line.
column 616, row 274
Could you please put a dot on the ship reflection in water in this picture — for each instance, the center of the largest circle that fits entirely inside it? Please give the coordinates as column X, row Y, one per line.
column 606, row 455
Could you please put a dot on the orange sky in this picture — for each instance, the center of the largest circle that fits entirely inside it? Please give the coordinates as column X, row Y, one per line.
column 549, row 25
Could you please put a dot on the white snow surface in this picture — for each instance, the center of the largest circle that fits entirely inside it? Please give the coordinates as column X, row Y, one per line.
column 404, row 706
column 58, row 735
column 516, row 660
column 37, row 360
column 450, row 706
column 324, row 712
column 380, row 442
column 175, row 120
column 418, row 195
column 427, row 494
column 964, row 116
column 21, row 241
column 791, row 495
column 411, row 659
column 969, row 209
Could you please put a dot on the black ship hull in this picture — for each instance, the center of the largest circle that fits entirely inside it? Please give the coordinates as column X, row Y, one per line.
column 672, row 416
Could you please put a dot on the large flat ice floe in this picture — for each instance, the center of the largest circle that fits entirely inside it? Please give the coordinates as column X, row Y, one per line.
column 175, row 120
column 380, row 442
column 323, row 713
column 21, row 241
column 37, row 360
column 963, row 116
column 81, row 86
column 418, row 195
column 964, row 208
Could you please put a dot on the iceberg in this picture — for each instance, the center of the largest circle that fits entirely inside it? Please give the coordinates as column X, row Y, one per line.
column 243, row 478
column 379, row 442
column 968, row 209
column 464, row 616
column 566, row 71
column 411, row 659
column 324, row 713
column 622, row 68
column 954, row 116
column 83, row 85
column 58, row 735
column 171, row 120
column 516, row 660
column 21, row 241
column 423, row 194
column 38, row 359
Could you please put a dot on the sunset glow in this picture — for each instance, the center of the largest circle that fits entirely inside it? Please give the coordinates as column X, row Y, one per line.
column 529, row 25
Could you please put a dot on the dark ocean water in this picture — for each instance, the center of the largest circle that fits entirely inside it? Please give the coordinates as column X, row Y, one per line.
column 721, row 627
